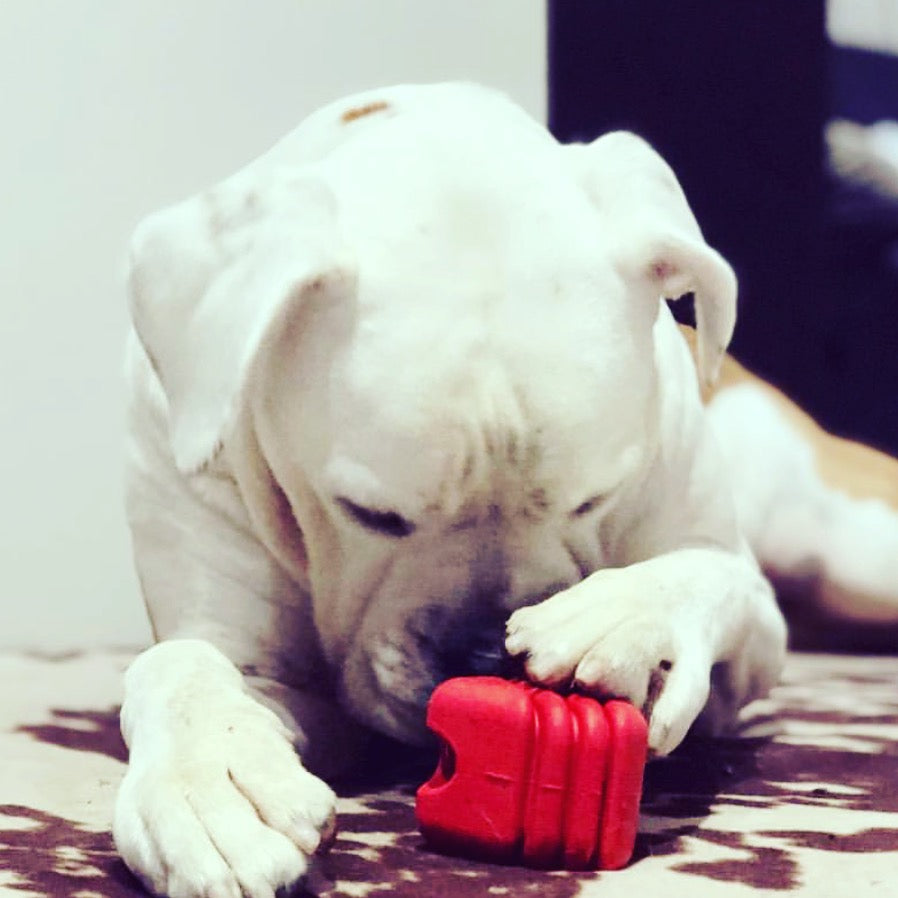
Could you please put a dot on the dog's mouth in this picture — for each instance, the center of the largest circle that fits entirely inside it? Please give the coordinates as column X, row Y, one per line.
column 389, row 682
column 483, row 656
column 387, row 688
column 471, row 646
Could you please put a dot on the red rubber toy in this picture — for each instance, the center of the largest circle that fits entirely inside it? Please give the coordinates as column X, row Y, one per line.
column 529, row 776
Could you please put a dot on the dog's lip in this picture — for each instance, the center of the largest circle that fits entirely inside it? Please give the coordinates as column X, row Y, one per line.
column 400, row 719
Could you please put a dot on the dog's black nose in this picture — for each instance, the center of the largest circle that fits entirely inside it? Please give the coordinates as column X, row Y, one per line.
column 486, row 654
column 481, row 652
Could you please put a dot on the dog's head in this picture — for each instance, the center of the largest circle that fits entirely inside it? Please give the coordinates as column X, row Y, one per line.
column 440, row 332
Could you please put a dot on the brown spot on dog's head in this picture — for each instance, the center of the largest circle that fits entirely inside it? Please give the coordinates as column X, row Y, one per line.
column 360, row 111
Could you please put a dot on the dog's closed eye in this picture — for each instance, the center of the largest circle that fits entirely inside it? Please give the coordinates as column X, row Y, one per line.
column 584, row 508
column 386, row 523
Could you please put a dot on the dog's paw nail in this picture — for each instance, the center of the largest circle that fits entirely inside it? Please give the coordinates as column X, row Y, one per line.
column 518, row 619
column 305, row 834
column 659, row 739
column 328, row 834
column 586, row 675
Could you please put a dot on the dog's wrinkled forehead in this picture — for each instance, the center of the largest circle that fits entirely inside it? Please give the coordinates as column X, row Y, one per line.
column 446, row 416
column 493, row 336
column 491, row 342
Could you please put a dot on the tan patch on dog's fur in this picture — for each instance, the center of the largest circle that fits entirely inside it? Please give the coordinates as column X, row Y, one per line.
column 844, row 465
column 360, row 111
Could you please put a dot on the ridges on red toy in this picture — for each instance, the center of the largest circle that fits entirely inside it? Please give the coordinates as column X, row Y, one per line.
column 530, row 776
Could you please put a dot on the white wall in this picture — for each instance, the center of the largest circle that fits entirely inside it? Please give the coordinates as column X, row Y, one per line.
column 110, row 109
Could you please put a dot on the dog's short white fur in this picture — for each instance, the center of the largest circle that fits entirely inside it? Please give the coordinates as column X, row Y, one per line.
column 408, row 373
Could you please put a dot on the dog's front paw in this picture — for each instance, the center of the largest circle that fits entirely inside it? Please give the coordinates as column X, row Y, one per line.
column 223, row 810
column 603, row 639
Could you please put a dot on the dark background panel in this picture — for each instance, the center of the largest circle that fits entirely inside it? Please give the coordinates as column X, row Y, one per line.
column 736, row 96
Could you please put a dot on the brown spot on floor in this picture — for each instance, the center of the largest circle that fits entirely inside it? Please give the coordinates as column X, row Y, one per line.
column 360, row 111
column 92, row 731
column 60, row 857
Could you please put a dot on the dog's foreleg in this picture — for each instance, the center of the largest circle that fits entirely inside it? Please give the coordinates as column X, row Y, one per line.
column 652, row 633
column 215, row 801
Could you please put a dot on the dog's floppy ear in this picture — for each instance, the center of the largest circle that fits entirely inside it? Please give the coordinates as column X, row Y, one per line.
column 657, row 241
column 211, row 278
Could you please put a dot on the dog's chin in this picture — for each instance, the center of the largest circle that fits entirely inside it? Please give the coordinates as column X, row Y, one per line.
column 403, row 722
column 388, row 690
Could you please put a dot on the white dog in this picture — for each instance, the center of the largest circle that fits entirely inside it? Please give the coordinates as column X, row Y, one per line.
column 404, row 380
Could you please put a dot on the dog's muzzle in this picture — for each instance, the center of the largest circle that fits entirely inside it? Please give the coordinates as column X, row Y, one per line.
column 402, row 667
column 457, row 646
column 480, row 652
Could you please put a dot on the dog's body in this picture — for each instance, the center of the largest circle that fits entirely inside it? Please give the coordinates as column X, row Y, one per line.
column 403, row 380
